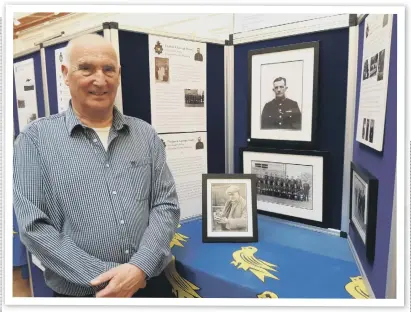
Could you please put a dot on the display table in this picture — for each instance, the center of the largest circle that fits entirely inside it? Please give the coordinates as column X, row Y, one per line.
column 298, row 263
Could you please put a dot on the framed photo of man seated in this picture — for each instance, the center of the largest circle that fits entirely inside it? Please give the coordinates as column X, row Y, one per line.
column 229, row 208
column 283, row 84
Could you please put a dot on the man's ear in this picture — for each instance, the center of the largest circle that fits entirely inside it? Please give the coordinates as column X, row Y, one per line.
column 64, row 70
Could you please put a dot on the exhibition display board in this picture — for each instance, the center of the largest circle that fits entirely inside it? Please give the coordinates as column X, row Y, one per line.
column 179, row 87
column 380, row 164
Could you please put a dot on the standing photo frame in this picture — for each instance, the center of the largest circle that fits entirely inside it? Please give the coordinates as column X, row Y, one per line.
column 291, row 184
column 229, row 208
column 283, row 95
column 363, row 207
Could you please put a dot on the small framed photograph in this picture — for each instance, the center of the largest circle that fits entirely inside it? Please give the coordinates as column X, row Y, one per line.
column 363, row 207
column 290, row 184
column 283, row 84
column 229, row 208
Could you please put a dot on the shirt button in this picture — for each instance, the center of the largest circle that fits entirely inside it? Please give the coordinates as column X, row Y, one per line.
column 107, row 165
column 126, row 251
column 114, row 192
column 122, row 221
column 94, row 140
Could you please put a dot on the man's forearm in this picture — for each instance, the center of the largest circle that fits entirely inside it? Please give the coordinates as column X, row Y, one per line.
column 55, row 250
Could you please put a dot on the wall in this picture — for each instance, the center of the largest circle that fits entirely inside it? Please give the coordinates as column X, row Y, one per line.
column 382, row 166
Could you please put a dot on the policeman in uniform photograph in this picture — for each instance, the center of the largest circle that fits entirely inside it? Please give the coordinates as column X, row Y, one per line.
column 281, row 112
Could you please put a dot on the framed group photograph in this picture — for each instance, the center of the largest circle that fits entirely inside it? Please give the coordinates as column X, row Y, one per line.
column 229, row 208
column 363, row 207
column 283, row 83
column 290, row 184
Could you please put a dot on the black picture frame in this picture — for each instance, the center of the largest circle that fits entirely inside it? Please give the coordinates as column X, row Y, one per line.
column 274, row 204
column 281, row 140
column 362, row 179
column 213, row 185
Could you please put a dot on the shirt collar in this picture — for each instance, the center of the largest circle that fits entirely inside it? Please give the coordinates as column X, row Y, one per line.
column 72, row 121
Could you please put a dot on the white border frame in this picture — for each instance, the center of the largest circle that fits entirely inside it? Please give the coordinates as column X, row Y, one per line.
column 307, row 55
column 250, row 209
column 318, row 170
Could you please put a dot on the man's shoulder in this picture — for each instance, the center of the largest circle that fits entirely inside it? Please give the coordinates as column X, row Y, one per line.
column 269, row 104
column 290, row 101
column 43, row 124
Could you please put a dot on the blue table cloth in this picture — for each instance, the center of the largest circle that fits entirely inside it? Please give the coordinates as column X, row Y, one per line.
column 287, row 262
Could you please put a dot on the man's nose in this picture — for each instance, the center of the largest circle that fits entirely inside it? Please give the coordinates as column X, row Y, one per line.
column 99, row 78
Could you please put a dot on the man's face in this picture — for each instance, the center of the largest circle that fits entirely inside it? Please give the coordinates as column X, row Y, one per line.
column 233, row 196
column 93, row 76
column 280, row 88
column 198, row 50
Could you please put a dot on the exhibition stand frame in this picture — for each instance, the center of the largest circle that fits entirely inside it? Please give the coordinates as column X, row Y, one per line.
column 340, row 41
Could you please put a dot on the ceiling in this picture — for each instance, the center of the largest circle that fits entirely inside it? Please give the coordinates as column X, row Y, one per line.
column 28, row 20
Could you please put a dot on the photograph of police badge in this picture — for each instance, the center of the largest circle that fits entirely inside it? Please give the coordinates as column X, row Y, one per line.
column 283, row 83
column 290, row 183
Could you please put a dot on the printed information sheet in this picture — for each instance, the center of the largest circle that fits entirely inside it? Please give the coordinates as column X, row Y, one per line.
column 374, row 80
column 178, row 85
column 187, row 159
column 25, row 83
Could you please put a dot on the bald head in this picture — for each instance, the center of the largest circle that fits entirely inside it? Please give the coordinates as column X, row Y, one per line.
column 84, row 44
column 92, row 73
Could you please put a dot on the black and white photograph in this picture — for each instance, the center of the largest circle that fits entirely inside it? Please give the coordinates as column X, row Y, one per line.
column 363, row 207
column 31, row 118
column 366, row 71
column 364, row 127
column 194, row 97
column 381, row 57
column 284, row 184
column 229, row 208
column 283, row 94
column 199, row 144
column 21, row 103
column 374, row 65
column 359, row 209
column 385, row 20
column 198, row 56
column 290, row 183
column 162, row 69
column 367, row 130
column 371, row 135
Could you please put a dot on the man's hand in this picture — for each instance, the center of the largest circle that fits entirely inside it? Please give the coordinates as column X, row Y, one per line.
column 125, row 280
column 222, row 220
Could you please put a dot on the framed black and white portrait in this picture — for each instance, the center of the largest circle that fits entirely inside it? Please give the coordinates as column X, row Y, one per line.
column 290, row 184
column 283, row 85
column 363, row 207
column 229, row 208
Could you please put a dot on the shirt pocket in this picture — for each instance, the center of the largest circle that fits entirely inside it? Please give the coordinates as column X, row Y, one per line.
column 136, row 176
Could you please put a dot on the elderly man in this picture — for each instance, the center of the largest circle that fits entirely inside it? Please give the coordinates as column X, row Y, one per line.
column 94, row 197
column 234, row 215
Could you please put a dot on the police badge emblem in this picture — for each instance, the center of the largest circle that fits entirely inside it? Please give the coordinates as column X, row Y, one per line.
column 158, row 48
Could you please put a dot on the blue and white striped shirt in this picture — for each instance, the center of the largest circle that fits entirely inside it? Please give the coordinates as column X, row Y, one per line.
column 83, row 210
